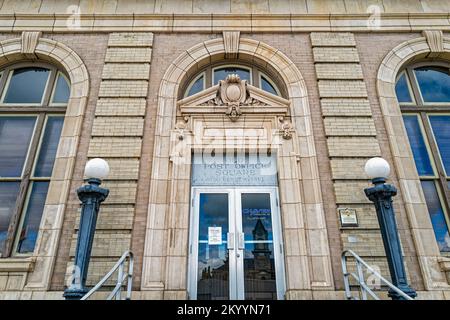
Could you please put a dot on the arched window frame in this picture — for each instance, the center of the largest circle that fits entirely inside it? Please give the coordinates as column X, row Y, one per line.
column 261, row 75
column 255, row 76
column 43, row 111
column 421, row 109
column 202, row 74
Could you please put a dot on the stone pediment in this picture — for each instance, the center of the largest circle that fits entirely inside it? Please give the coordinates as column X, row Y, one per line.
column 234, row 97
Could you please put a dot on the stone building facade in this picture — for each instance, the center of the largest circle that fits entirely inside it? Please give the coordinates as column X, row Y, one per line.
column 153, row 89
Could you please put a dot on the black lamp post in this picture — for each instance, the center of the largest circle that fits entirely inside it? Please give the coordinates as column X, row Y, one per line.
column 381, row 195
column 91, row 196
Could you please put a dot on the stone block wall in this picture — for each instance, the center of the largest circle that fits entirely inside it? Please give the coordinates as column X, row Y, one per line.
column 351, row 138
column 117, row 134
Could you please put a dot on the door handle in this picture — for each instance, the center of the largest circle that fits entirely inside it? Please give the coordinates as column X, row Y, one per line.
column 241, row 241
column 230, row 241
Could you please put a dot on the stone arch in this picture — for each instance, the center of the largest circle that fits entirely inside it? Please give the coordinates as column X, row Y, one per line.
column 162, row 271
column 32, row 47
column 431, row 46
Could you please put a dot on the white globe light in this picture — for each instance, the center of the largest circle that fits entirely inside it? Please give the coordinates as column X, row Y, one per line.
column 96, row 168
column 377, row 168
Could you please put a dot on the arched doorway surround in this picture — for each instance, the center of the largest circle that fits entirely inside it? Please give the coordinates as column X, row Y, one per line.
column 306, row 249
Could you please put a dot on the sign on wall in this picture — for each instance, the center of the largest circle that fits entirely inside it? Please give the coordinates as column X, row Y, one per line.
column 209, row 169
column 348, row 217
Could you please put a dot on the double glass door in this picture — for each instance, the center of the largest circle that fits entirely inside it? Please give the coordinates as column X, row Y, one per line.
column 235, row 244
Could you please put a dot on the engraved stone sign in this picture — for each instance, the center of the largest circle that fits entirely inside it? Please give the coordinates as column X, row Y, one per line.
column 348, row 217
column 234, row 170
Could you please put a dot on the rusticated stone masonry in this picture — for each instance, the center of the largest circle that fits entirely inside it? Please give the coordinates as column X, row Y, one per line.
column 116, row 136
column 351, row 138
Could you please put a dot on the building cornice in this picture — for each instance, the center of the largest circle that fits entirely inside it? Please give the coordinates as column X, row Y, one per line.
column 214, row 23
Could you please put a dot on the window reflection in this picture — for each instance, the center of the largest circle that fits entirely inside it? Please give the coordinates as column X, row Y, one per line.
column 15, row 138
column 30, row 227
column 213, row 264
column 62, row 90
column 434, row 84
column 27, row 85
column 49, row 145
column 402, row 89
column 222, row 73
column 211, row 76
column 259, row 262
column 418, row 146
column 8, row 195
column 267, row 86
column 197, row 86
column 441, row 131
column 437, row 215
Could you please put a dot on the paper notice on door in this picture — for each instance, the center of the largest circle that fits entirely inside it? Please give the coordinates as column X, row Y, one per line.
column 214, row 236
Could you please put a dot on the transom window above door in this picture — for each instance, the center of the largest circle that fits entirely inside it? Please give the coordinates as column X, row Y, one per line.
column 212, row 75
column 32, row 106
column 423, row 92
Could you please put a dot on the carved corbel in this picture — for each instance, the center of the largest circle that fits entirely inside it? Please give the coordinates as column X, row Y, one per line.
column 181, row 127
column 435, row 40
column 286, row 128
column 30, row 40
column 231, row 44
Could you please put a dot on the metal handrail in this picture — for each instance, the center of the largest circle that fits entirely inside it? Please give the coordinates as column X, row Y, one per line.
column 121, row 277
column 364, row 288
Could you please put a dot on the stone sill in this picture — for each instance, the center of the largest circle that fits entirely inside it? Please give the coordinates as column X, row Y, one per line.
column 17, row 264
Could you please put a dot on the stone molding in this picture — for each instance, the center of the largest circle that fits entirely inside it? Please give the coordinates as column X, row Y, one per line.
column 217, row 22
column 306, row 235
column 247, row 100
column 413, row 197
column 17, row 264
column 52, row 218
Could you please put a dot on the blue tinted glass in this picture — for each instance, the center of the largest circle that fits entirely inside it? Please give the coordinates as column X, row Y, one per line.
column 436, row 215
column 213, row 213
column 8, row 195
column 402, row 90
column 256, row 216
column 212, row 268
column 418, row 146
column 27, row 85
column 196, row 87
column 62, row 90
column 49, row 145
column 267, row 86
column 221, row 74
column 15, row 137
column 434, row 84
column 441, row 131
column 32, row 220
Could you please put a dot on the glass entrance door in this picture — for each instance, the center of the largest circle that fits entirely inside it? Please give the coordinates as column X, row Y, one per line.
column 235, row 245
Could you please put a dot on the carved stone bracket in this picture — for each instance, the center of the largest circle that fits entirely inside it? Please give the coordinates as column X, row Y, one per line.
column 286, row 128
column 29, row 41
column 435, row 40
column 180, row 128
column 231, row 44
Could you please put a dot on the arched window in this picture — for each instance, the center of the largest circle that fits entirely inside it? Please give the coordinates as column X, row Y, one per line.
column 211, row 76
column 423, row 92
column 32, row 105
